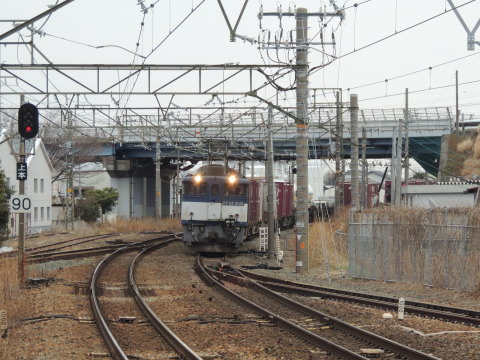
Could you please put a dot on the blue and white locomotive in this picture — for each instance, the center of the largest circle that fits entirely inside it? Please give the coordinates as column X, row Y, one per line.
column 215, row 209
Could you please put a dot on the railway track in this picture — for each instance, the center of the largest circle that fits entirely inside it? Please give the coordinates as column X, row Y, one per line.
column 447, row 313
column 55, row 251
column 334, row 336
column 111, row 340
column 67, row 243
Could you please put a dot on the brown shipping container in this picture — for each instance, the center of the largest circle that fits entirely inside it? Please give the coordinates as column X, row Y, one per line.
column 372, row 190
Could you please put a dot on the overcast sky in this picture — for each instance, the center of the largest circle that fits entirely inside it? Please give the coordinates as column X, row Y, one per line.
column 72, row 32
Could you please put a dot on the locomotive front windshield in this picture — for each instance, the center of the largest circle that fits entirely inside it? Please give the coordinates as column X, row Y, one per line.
column 190, row 188
column 236, row 189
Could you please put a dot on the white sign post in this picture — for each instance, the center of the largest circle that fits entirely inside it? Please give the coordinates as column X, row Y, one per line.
column 20, row 204
column 3, row 320
column 401, row 308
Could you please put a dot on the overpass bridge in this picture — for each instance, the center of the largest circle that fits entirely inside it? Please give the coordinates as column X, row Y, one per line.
column 243, row 136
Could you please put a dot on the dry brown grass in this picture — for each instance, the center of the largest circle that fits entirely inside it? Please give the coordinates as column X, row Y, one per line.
column 121, row 225
column 465, row 146
column 12, row 298
column 140, row 225
column 326, row 247
column 438, row 247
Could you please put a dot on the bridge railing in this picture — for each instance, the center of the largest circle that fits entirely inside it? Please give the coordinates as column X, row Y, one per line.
column 252, row 126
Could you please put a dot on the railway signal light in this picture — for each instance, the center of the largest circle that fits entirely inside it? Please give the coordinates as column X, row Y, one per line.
column 28, row 121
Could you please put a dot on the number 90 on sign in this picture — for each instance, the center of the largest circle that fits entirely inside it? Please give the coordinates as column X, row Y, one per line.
column 20, row 204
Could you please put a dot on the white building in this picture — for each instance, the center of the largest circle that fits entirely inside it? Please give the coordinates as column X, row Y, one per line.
column 38, row 186
column 86, row 176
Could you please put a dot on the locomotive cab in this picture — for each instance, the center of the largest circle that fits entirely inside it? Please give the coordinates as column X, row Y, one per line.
column 214, row 209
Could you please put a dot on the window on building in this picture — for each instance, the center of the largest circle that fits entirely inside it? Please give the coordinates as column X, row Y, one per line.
column 42, row 185
column 35, row 185
column 42, row 213
column 35, row 214
column 8, row 181
column 48, row 212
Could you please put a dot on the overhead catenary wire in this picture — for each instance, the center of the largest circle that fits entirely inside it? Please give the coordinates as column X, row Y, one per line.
column 314, row 69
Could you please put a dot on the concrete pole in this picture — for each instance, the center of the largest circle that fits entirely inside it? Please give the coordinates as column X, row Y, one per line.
column 271, row 195
column 398, row 167
column 338, row 157
column 457, row 110
column 407, row 142
column 158, row 180
column 301, row 74
column 354, row 150
column 393, row 170
column 363, row 191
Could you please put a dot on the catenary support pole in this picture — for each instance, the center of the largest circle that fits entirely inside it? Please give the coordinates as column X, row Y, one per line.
column 301, row 74
column 393, row 170
column 338, row 156
column 271, row 196
column 407, row 141
column 457, row 110
column 354, row 150
column 398, row 166
column 158, row 180
column 363, row 191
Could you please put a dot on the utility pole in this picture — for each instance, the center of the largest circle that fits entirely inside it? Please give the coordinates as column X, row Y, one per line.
column 302, row 141
column 354, row 150
column 301, row 121
column 271, row 196
column 338, row 156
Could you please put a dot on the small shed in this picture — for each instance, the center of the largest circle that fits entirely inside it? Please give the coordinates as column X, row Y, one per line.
column 441, row 195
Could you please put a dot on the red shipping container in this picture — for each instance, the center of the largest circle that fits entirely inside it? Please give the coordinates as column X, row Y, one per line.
column 254, row 202
column 284, row 198
column 372, row 191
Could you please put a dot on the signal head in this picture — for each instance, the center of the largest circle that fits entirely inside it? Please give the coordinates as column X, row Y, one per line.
column 28, row 121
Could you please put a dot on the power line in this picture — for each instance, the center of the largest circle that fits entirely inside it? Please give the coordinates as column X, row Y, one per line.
column 314, row 69
column 413, row 72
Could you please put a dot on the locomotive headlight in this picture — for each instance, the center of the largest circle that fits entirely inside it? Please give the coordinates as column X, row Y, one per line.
column 198, row 178
column 232, row 179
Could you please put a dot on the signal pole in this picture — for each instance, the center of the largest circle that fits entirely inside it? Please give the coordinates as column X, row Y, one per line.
column 21, row 216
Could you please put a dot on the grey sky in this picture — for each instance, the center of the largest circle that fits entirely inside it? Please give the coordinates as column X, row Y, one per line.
column 203, row 38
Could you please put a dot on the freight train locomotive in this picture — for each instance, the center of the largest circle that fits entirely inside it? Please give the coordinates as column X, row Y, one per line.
column 221, row 208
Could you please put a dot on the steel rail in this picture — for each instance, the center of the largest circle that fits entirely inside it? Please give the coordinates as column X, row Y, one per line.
column 466, row 316
column 108, row 337
column 175, row 342
column 313, row 338
column 372, row 338
column 67, row 243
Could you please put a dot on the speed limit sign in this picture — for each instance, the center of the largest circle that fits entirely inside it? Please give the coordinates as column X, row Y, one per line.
column 20, row 204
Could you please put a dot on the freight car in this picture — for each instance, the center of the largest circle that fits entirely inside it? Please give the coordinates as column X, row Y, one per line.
column 221, row 208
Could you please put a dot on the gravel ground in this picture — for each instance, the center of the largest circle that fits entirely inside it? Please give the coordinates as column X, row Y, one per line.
column 70, row 335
